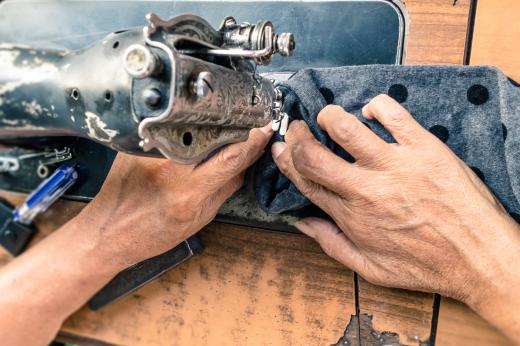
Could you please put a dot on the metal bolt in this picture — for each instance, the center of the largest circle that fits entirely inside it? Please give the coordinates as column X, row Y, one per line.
column 285, row 44
column 139, row 61
column 152, row 97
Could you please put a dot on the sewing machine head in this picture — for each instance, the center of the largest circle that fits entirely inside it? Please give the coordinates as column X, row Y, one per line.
column 215, row 97
column 179, row 86
column 115, row 97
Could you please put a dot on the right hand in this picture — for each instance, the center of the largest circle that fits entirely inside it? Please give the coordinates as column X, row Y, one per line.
column 409, row 214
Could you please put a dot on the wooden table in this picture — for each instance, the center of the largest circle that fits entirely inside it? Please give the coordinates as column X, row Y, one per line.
column 257, row 287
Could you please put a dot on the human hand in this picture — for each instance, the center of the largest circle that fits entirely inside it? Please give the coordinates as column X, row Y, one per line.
column 408, row 214
column 148, row 205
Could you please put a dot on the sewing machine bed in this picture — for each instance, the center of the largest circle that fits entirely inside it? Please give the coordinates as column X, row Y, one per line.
column 328, row 34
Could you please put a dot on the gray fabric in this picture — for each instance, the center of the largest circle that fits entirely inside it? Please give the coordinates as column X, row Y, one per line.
column 486, row 135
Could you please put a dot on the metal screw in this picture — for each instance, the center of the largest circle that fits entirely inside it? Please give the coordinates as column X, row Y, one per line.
column 285, row 44
column 152, row 97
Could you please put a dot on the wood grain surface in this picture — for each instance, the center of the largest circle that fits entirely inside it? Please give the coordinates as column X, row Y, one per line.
column 437, row 31
column 460, row 326
column 249, row 286
column 246, row 288
column 406, row 313
column 496, row 39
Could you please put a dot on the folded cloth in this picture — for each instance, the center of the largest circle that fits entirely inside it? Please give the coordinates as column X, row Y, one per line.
column 474, row 110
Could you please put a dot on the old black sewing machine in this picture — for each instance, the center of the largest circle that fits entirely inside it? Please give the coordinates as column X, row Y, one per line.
column 78, row 92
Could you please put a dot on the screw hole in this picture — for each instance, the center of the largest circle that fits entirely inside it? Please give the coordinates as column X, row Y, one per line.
column 42, row 171
column 108, row 96
column 115, row 45
column 187, row 138
column 75, row 94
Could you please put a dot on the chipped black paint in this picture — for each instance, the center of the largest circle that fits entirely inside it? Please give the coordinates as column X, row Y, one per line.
column 46, row 93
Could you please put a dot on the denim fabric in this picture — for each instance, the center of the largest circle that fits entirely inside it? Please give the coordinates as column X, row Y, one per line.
column 474, row 110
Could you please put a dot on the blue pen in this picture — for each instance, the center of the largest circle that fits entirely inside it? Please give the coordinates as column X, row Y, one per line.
column 45, row 194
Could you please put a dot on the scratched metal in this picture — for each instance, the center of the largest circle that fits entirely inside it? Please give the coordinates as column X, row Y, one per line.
column 45, row 93
column 236, row 101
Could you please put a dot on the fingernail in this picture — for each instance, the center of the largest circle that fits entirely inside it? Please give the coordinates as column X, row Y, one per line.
column 267, row 129
column 304, row 227
column 278, row 148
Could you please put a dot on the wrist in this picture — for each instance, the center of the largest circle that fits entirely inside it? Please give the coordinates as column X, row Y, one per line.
column 495, row 277
column 122, row 236
column 85, row 242
column 90, row 241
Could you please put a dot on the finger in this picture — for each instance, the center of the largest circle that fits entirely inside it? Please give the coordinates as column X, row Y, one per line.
column 332, row 240
column 350, row 133
column 318, row 194
column 317, row 163
column 233, row 159
column 395, row 118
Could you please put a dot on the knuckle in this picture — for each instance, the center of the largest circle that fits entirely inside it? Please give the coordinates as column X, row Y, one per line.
column 233, row 160
column 379, row 99
column 310, row 190
column 182, row 204
column 347, row 129
column 331, row 109
column 300, row 127
column 397, row 115
column 303, row 150
column 283, row 164
column 307, row 155
column 330, row 250
column 292, row 127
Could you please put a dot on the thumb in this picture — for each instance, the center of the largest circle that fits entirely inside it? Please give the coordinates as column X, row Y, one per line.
column 332, row 240
column 232, row 160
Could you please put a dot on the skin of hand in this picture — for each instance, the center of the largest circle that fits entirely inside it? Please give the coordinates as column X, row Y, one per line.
column 409, row 214
column 145, row 207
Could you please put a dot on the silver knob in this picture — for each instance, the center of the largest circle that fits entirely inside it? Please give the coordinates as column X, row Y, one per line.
column 285, row 44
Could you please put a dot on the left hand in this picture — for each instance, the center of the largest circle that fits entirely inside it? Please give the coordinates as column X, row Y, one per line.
column 145, row 207
column 148, row 205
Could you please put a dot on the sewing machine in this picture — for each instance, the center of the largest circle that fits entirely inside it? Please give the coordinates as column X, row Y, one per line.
column 83, row 87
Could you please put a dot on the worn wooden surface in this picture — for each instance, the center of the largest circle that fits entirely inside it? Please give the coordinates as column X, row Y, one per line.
column 245, row 288
column 459, row 326
column 406, row 313
column 497, row 36
column 249, row 286
column 262, row 288
column 437, row 31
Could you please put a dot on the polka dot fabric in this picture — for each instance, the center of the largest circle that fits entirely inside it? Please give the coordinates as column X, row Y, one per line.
column 474, row 110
